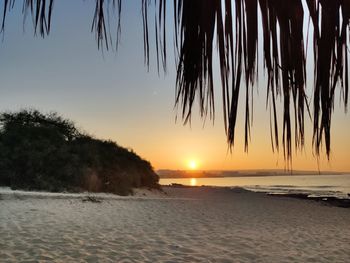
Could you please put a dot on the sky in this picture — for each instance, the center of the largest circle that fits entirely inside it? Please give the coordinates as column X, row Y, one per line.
column 113, row 96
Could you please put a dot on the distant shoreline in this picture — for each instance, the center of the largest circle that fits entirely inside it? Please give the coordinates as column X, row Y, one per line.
column 178, row 174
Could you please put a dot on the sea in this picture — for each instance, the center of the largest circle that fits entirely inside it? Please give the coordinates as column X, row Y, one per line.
column 314, row 185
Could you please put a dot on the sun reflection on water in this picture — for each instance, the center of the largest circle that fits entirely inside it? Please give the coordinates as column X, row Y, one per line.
column 193, row 181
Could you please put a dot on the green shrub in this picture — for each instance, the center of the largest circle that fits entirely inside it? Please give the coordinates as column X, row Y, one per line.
column 47, row 152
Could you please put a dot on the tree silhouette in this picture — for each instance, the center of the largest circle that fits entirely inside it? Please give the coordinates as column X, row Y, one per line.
column 46, row 152
column 233, row 25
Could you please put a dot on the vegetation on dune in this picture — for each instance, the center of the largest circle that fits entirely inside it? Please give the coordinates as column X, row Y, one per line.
column 46, row 152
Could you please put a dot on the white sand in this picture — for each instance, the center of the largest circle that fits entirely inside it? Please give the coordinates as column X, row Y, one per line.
column 186, row 225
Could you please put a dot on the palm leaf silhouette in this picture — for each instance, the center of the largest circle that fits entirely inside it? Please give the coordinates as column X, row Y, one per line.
column 233, row 24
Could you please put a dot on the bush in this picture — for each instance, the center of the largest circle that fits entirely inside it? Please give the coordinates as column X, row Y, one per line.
column 47, row 152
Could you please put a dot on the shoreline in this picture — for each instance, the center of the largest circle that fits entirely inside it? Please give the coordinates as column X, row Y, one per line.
column 143, row 193
column 323, row 199
column 327, row 200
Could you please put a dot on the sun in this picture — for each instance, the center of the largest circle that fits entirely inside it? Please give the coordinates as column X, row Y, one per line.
column 192, row 164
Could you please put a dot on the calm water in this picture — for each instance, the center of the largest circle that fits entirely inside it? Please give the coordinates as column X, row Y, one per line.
column 328, row 185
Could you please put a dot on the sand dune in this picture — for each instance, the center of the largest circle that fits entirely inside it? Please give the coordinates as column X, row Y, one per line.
column 185, row 225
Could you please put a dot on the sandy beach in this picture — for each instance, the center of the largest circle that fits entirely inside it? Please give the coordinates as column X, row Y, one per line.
column 181, row 225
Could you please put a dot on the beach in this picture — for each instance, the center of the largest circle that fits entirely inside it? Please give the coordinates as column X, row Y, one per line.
column 181, row 224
